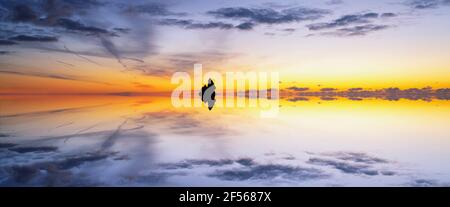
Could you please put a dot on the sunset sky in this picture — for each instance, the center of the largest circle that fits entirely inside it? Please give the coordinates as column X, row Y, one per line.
column 95, row 46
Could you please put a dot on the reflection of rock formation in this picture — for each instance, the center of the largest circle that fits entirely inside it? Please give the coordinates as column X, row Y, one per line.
column 357, row 94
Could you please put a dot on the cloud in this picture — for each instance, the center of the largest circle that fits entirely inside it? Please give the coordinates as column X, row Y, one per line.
column 245, row 26
column 334, row 2
column 105, row 43
column 64, row 125
column 184, row 123
column 35, row 38
column 295, row 88
column 74, row 161
column 67, row 169
column 45, row 113
column 173, row 62
column 427, row 183
column 352, row 163
column 344, row 21
column 344, row 167
column 151, row 8
column 66, row 49
column 289, row 30
column 22, row 174
column 188, row 164
column 46, row 12
column 355, row 89
column 190, row 24
column 359, row 157
column 53, row 76
column 343, row 26
column 150, row 70
column 7, row 42
column 7, row 145
column 245, row 161
column 269, row 15
column 266, row 172
column 359, row 30
column 78, row 5
column 210, row 25
column 52, row 14
column 5, row 52
column 427, row 4
column 80, row 19
column 247, row 169
column 325, row 98
column 142, row 85
column 51, row 173
column 23, row 13
column 122, row 30
column 77, row 26
column 33, row 149
column 328, row 89
column 112, row 138
column 388, row 14
column 65, row 64
column 112, row 49
column 298, row 98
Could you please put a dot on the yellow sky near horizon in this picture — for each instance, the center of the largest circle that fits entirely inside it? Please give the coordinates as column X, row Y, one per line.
column 12, row 83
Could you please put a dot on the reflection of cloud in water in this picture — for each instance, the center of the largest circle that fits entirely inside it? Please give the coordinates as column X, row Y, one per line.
column 270, row 171
column 352, row 163
column 189, row 164
column 33, row 149
column 51, row 112
column 131, row 150
column 183, row 123
column 426, row 183
column 247, row 169
column 54, row 172
column 349, row 168
column 133, row 165
column 356, row 157
column 80, row 168
column 111, row 139
column 7, row 145
column 286, row 168
column 122, row 152
column 31, row 165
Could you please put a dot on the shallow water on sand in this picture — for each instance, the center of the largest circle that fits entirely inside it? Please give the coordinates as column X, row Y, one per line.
column 145, row 141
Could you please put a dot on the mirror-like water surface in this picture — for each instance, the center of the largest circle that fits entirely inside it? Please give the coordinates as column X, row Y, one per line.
column 144, row 141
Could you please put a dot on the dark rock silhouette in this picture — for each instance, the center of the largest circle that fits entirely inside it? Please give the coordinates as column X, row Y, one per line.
column 208, row 94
